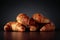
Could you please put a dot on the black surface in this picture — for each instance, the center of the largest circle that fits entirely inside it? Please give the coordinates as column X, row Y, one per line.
column 30, row 35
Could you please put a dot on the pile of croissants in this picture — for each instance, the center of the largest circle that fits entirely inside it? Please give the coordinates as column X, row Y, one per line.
column 37, row 22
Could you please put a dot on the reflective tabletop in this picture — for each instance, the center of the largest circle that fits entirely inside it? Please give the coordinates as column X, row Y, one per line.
column 29, row 35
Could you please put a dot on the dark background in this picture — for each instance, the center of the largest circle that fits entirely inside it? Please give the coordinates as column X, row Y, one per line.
column 10, row 9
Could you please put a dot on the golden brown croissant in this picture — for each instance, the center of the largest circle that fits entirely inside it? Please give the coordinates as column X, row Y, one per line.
column 22, row 18
column 36, row 22
column 48, row 27
column 14, row 26
column 47, row 24
column 40, row 18
column 33, row 27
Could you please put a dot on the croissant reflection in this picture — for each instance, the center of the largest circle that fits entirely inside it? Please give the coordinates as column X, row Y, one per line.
column 37, row 22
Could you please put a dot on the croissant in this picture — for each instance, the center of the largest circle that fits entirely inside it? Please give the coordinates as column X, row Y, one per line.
column 47, row 25
column 40, row 18
column 37, row 22
column 14, row 26
column 33, row 25
column 23, row 19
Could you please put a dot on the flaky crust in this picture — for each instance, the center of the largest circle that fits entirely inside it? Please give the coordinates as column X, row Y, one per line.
column 37, row 22
column 47, row 24
column 14, row 26
column 48, row 27
column 22, row 18
column 40, row 18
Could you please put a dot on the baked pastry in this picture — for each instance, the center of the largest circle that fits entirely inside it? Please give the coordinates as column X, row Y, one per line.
column 48, row 27
column 32, row 21
column 33, row 27
column 23, row 19
column 40, row 18
column 14, row 26
column 37, row 22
